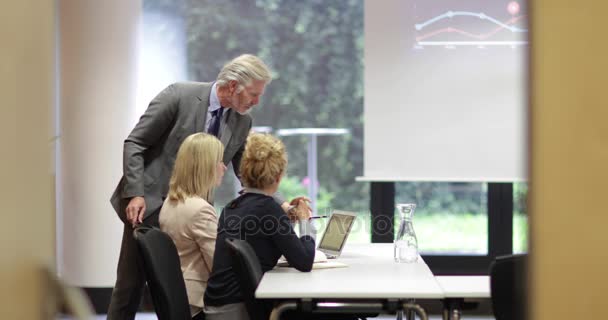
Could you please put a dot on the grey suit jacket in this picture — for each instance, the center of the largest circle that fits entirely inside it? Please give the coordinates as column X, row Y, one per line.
column 150, row 150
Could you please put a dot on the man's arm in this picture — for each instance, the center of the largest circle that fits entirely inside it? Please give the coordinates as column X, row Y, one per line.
column 151, row 126
column 236, row 159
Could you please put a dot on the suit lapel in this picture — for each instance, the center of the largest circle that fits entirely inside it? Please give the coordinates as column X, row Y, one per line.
column 228, row 123
column 203, row 105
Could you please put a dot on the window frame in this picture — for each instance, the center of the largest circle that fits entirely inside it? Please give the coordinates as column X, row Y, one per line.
column 500, row 229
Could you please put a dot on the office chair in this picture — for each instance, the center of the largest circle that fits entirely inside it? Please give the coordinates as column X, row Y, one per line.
column 163, row 272
column 508, row 287
column 247, row 267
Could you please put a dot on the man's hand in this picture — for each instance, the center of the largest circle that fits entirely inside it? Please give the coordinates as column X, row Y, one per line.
column 135, row 210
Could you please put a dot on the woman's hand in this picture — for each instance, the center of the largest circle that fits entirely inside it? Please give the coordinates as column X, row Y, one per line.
column 301, row 209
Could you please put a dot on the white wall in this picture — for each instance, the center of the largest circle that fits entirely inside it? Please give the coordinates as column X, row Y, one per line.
column 98, row 60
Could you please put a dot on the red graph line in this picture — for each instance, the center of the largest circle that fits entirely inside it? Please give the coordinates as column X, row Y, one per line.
column 480, row 36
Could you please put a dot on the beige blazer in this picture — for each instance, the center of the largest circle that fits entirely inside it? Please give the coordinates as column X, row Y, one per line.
column 192, row 225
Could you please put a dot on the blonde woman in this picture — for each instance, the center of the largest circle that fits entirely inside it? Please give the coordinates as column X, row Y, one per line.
column 258, row 219
column 187, row 215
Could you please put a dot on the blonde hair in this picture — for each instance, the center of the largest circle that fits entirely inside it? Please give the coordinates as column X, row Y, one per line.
column 264, row 160
column 244, row 69
column 195, row 170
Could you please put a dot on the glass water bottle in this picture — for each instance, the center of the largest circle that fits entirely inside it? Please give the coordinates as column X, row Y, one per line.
column 406, row 244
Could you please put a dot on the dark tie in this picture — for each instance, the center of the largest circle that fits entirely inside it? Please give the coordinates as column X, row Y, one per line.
column 214, row 125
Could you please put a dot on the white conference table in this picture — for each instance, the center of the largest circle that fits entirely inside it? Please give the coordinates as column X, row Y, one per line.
column 458, row 288
column 465, row 286
column 371, row 279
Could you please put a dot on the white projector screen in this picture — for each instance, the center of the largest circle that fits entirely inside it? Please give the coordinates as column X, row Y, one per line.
column 445, row 90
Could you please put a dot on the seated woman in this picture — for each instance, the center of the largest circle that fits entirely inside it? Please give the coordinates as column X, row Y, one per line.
column 187, row 216
column 256, row 218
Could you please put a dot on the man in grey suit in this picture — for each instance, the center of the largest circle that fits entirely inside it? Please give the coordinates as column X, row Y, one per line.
column 219, row 108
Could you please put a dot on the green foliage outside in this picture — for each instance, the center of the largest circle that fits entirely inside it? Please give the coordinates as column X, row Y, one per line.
column 520, row 198
column 450, row 198
column 520, row 233
column 447, row 233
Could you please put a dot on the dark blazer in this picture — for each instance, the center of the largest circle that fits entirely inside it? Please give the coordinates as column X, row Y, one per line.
column 259, row 220
column 150, row 150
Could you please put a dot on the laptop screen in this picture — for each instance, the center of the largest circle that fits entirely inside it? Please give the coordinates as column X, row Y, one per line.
column 336, row 232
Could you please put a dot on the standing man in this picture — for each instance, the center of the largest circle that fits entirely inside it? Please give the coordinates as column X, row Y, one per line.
column 219, row 108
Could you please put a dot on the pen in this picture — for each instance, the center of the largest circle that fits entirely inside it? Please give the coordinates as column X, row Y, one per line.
column 315, row 217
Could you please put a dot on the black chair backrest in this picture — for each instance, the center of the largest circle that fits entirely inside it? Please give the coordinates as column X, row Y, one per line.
column 247, row 267
column 163, row 273
column 508, row 287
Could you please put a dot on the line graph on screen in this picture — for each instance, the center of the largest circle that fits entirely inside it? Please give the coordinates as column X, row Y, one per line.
column 490, row 26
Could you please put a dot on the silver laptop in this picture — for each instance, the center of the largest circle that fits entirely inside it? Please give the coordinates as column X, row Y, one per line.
column 338, row 228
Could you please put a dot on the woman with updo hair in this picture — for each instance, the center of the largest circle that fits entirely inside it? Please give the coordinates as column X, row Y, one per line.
column 258, row 219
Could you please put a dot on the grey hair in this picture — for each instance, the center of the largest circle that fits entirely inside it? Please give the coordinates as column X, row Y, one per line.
column 244, row 69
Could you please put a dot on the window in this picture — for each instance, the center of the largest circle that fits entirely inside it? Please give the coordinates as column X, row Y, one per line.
column 520, row 217
column 450, row 218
